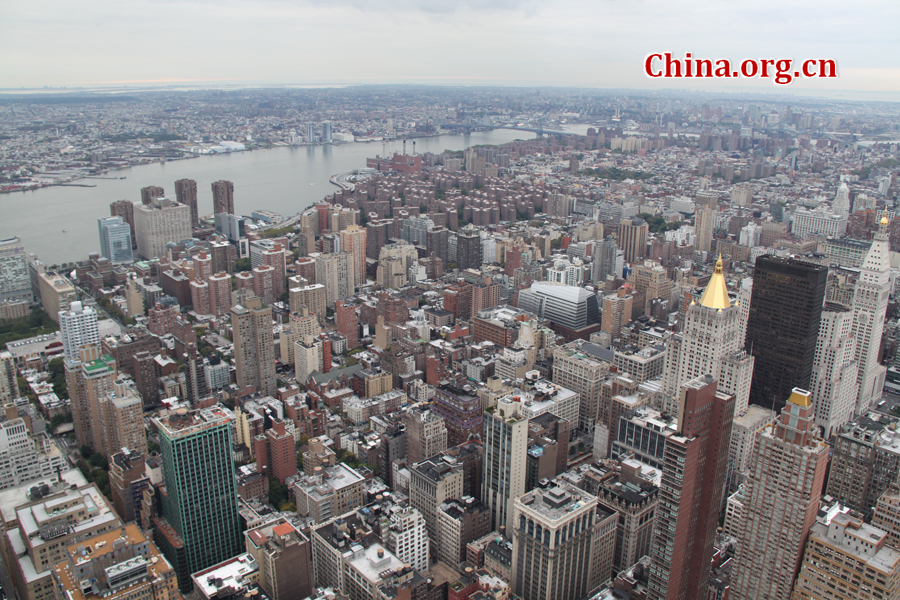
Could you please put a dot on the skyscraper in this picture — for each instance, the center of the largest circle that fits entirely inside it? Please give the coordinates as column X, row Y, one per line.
column 505, row 451
column 353, row 240
column 150, row 192
column 78, row 326
column 200, row 510
column 468, row 250
column 9, row 385
column 783, row 326
column 124, row 209
column 841, row 204
column 426, row 435
column 781, row 500
column 694, row 472
column 186, row 193
column 115, row 240
column 704, row 224
column 710, row 342
column 223, row 197
column 633, row 238
column 347, row 322
column 15, row 282
column 846, row 558
column 337, row 273
column 870, row 299
column 158, row 223
column 562, row 544
column 833, row 381
column 254, row 351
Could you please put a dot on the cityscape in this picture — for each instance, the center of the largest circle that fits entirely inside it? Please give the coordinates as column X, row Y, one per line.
column 463, row 301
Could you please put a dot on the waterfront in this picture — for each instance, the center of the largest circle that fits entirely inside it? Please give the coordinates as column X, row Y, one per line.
column 283, row 179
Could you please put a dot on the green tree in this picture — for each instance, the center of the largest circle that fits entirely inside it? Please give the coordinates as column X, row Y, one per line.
column 242, row 264
column 86, row 451
column 278, row 493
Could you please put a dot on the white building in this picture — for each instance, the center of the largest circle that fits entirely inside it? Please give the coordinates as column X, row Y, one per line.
column 505, row 452
column 407, row 537
column 710, row 343
column 78, row 326
column 24, row 457
column 833, row 382
column 869, row 308
column 548, row 397
column 805, row 223
column 158, row 223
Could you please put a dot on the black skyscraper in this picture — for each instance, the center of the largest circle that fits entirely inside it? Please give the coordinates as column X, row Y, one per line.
column 468, row 250
column 785, row 311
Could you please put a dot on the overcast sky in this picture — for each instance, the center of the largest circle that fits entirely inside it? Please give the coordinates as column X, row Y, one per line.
column 584, row 43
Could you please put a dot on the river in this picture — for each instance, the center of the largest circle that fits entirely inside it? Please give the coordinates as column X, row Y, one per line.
column 282, row 179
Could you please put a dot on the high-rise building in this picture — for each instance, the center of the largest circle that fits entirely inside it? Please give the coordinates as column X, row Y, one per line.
column 284, row 558
column 186, row 193
column 431, row 482
column 150, row 192
column 704, row 224
column 219, row 293
column 107, row 415
column 158, row 223
column 616, row 311
column 870, row 299
column 353, row 240
column 254, row 350
column 583, row 374
column 841, row 204
column 562, row 542
column 460, row 522
column 223, row 197
column 437, row 242
column 573, row 312
column 694, row 473
column 78, row 326
column 200, row 297
column 127, row 480
column 201, row 525
column 461, row 411
column 864, row 463
column 125, row 210
column 505, row 453
column 115, row 240
column 9, row 384
column 783, row 327
column 887, row 515
column 426, row 435
column 633, row 238
column 846, row 558
column 15, row 281
column 781, row 499
column 274, row 452
column 338, row 274
column 833, row 381
column 710, row 343
column 347, row 322
column 604, row 263
column 326, row 132
column 468, row 250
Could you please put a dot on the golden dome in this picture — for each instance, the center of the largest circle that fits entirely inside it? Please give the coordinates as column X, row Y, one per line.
column 716, row 293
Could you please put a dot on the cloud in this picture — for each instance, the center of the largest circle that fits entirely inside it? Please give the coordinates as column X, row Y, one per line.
column 525, row 42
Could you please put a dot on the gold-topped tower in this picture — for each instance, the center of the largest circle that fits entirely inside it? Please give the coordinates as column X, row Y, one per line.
column 716, row 293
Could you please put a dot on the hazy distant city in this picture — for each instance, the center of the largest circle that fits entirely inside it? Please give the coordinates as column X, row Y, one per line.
column 448, row 343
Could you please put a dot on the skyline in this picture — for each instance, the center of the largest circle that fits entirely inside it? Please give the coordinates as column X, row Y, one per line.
column 526, row 44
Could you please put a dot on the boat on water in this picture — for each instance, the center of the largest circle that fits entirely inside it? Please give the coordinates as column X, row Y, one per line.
column 65, row 230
